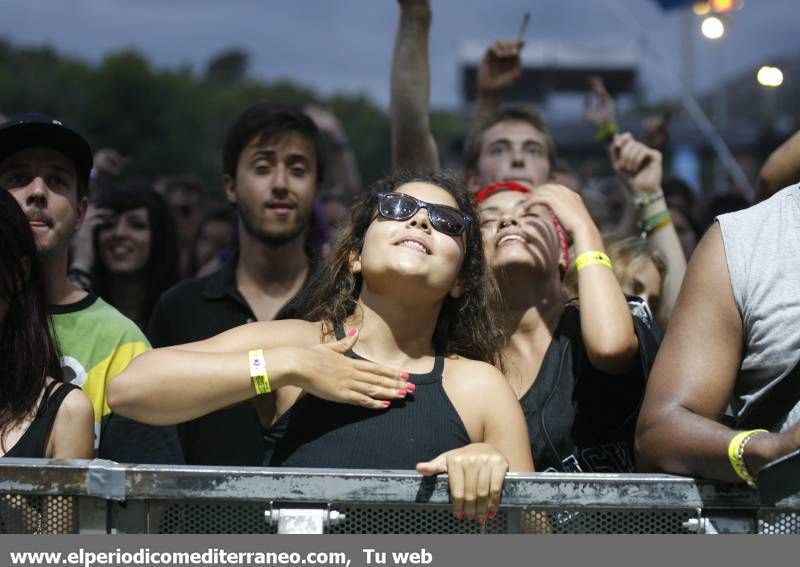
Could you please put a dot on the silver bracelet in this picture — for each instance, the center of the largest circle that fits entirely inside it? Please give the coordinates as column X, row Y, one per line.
column 647, row 199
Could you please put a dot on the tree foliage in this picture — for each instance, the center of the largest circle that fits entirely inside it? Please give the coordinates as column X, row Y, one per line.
column 171, row 121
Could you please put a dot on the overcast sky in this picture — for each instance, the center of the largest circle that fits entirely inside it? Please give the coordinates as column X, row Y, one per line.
column 345, row 45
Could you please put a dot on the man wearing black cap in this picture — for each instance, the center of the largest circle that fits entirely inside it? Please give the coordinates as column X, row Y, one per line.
column 45, row 164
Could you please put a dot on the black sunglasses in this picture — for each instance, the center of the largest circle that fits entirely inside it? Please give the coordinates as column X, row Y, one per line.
column 400, row 207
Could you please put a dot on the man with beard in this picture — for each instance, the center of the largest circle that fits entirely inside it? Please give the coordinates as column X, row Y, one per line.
column 45, row 165
column 272, row 161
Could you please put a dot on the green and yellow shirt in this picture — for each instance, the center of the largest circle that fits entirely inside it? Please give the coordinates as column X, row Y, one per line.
column 97, row 342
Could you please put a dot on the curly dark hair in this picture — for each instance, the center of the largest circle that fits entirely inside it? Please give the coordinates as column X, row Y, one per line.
column 28, row 352
column 466, row 326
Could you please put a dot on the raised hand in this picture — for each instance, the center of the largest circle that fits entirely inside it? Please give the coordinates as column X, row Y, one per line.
column 598, row 105
column 476, row 474
column 637, row 165
column 324, row 371
column 83, row 253
column 656, row 129
column 567, row 206
column 500, row 67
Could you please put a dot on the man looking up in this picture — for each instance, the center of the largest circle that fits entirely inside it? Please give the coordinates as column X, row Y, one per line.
column 512, row 144
column 272, row 161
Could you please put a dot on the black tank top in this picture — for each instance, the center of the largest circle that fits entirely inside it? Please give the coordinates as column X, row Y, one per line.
column 579, row 418
column 319, row 433
column 33, row 442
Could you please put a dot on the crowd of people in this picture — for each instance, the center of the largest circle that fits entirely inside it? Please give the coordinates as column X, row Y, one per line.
column 469, row 323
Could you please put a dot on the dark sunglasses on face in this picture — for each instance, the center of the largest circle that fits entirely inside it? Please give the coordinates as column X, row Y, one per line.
column 400, row 207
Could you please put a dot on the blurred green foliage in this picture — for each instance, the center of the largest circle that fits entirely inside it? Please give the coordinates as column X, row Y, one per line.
column 173, row 121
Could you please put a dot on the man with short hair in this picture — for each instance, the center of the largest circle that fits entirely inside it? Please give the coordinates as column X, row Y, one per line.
column 273, row 164
column 513, row 144
column 45, row 164
column 510, row 144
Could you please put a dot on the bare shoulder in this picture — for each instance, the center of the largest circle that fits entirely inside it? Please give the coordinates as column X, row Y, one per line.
column 707, row 283
column 72, row 436
column 472, row 373
column 75, row 407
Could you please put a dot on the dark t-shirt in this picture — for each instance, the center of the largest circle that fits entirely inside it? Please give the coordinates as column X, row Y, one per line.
column 582, row 419
column 194, row 310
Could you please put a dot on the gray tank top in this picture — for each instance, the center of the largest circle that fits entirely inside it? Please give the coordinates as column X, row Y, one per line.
column 762, row 250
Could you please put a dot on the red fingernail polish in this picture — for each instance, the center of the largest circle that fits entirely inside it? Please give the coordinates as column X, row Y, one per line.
column 404, row 376
column 481, row 520
column 352, row 332
column 402, row 393
column 411, row 387
column 459, row 517
column 385, row 403
column 490, row 515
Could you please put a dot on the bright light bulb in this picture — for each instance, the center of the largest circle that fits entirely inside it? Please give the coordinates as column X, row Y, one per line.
column 769, row 76
column 712, row 27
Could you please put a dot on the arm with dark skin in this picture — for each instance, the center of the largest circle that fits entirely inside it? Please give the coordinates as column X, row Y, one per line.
column 413, row 146
column 781, row 169
column 693, row 378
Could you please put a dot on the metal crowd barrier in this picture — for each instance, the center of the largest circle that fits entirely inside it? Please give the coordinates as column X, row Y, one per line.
column 41, row 496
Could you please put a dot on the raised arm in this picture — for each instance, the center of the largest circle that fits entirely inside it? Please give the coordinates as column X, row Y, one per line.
column 781, row 169
column 499, row 69
column 693, row 378
column 599, row 109
column 172, row 385
column 413, row 146
column 606, row 321
column 640, row 170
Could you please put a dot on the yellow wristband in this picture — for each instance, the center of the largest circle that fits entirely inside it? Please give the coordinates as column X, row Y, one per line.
column 590, row 258
column 736, row 454
column 258, row 372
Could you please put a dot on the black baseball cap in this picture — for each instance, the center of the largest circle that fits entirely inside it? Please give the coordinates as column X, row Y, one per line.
column 36, row 130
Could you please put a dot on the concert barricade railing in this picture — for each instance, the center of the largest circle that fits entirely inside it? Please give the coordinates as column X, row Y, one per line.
column 41, row 496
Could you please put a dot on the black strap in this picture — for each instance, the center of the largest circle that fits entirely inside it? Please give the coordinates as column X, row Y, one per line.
column 48, row 391
column 771, row 410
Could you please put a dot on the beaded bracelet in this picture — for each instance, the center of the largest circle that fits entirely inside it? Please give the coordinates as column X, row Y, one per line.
column 653, row 224
column 647, row 199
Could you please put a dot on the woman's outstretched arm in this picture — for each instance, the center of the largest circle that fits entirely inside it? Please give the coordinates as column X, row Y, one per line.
column 175, row 384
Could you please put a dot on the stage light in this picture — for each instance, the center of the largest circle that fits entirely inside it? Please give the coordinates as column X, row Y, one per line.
column 769, row 76
column 712, row 27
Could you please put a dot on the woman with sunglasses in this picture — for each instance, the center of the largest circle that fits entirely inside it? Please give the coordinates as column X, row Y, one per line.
column 377, row 375
column 578, row 369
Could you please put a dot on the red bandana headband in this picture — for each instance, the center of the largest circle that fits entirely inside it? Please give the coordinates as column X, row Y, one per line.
column 490, row 190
